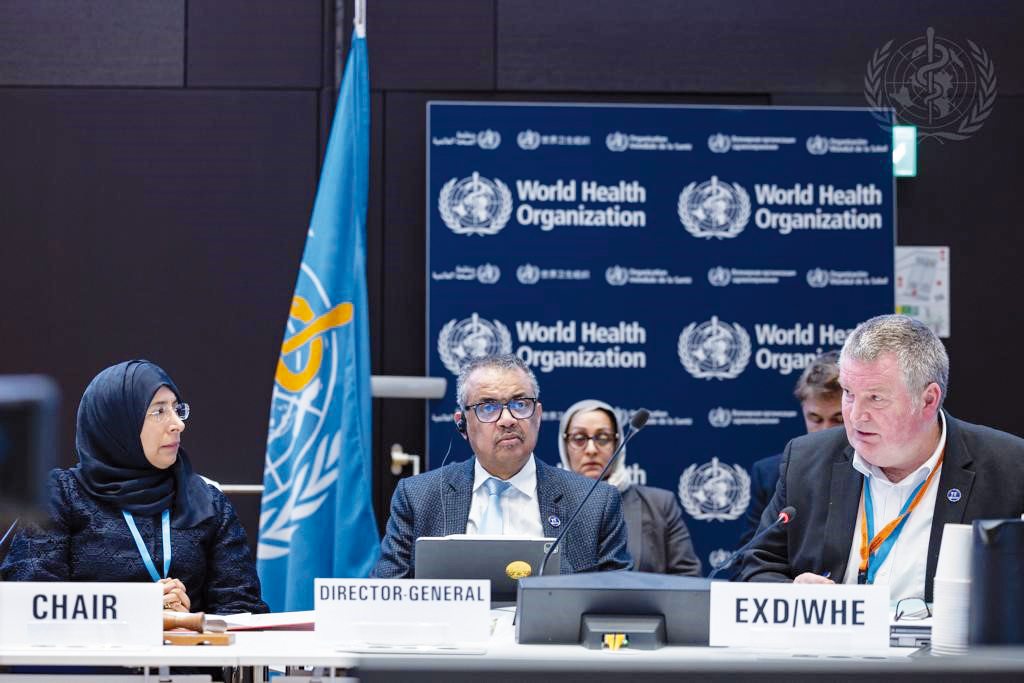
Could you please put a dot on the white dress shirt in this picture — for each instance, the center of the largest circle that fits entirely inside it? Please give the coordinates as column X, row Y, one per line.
column 520, row 507
column 905, row 567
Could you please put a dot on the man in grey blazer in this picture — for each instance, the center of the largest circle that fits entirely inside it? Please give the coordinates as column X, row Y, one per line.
column 897, row 445
column 503, row 489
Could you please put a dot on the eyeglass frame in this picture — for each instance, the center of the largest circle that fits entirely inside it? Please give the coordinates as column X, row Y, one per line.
column 504, row 405
column 904, row 615
column 177, row 408
column 613, row 439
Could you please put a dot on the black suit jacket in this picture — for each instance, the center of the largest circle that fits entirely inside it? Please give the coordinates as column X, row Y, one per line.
column 658, row 538
column 817, row 477
column 764, row 475
column 437, row 503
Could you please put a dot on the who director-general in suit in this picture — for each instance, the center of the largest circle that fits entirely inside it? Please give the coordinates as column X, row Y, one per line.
column 504, row 489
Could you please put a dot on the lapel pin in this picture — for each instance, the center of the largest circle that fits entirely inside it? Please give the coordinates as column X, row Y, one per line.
column 953, row 495
column 554, row 521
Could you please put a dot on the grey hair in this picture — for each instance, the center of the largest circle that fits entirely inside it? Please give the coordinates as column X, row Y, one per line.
column 920, row 355
column 504, row 361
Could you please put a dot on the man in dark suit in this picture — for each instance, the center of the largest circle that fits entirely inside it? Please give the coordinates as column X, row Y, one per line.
column 819, row 395
column 900, row 458
column 503, row 489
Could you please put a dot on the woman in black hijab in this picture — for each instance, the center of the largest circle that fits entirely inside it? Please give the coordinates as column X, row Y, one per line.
column 133, row 510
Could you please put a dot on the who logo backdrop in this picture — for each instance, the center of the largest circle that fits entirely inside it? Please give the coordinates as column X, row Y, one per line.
column 689, row 260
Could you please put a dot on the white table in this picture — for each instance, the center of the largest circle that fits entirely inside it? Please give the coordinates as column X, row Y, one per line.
column 506, row 659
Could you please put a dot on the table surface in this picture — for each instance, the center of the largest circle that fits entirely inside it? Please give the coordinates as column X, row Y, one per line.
column 283, row 648
column 293, row 648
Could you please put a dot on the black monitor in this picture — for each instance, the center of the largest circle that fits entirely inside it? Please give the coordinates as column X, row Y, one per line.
column 28, row 447
column 649, row 610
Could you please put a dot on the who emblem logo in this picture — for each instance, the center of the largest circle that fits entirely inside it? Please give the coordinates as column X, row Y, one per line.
column 714, row 349
column 474, row 337
column 719, row 417
column 817, row 145
column 719, row 143
column 617, row 142
column 714, row 209
column 719, row 276
column 716, row 558
column 714, row 491
column 488, row 274
column 616, row 276
column 931, row 82
column 488, row 139
column 528, row 139
column 817, row 277
column 475, row 205
column 304, row 448
column 528, row 274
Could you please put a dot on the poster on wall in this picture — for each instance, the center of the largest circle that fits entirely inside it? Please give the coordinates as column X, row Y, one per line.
column 687, row 260
column 922, row 286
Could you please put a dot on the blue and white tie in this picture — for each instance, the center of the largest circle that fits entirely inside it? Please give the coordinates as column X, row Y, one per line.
column 493, row 522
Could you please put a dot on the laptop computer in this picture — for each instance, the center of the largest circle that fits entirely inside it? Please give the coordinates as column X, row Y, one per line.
column 485, row 557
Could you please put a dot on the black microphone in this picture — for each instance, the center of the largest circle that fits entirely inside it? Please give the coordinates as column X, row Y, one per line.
column 636, row 423
column 786, row 516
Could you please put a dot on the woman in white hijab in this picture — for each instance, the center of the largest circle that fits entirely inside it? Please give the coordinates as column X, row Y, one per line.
column 658, row 538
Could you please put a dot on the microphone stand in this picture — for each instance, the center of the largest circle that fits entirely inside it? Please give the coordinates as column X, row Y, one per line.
column 786, row 516
column 635, row 425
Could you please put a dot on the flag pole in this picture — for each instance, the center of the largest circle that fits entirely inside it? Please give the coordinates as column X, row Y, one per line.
column 360, row 18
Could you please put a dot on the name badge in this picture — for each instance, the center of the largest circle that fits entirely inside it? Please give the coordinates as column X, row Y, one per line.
column 806, row 616
column 59, row 614
column 360, row 614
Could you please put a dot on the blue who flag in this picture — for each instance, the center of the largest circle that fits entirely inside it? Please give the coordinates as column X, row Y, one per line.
column 316, row 518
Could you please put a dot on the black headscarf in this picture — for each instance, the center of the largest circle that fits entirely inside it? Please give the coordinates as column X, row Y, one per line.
column 112, row 465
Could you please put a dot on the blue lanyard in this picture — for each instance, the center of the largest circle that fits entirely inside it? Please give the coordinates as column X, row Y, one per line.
column 147, row 559
column 878, row 558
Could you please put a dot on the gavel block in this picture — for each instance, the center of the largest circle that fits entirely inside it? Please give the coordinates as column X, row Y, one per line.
column 199, row 630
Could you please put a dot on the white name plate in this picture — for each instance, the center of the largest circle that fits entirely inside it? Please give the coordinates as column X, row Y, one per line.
column 808, row 617
column 59, row 614
column 360, row 613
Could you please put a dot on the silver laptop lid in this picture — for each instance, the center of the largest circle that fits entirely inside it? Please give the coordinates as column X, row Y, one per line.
column 501, row 559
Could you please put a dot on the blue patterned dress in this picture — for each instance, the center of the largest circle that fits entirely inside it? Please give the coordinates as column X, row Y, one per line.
column 88, row 540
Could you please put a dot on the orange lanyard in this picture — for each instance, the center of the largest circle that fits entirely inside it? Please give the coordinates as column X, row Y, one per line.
column 868, row 549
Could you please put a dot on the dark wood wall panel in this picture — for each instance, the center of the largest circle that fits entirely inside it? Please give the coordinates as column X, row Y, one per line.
column 93, row 43
column 255, row 43
column 171, row 231
column 737, row 46
column 375, row 272
column 402, row 257
column 375, row 288
column 404, row 242
column 431, row 45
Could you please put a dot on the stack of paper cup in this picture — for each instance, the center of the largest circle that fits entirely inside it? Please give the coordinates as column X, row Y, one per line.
column 952, row 595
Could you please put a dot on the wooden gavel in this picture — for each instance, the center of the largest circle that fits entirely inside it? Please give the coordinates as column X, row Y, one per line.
column 203, row 631
column 193, row 621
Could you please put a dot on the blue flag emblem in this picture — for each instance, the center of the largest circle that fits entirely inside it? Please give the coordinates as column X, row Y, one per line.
column 316, row 517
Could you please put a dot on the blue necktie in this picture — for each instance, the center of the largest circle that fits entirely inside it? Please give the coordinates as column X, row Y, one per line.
column 493, row 522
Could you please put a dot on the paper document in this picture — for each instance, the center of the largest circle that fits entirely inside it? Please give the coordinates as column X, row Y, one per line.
column 275, row 621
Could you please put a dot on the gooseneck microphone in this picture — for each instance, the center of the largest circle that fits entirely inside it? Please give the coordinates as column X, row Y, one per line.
column 786, row 516
column 636, row 423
